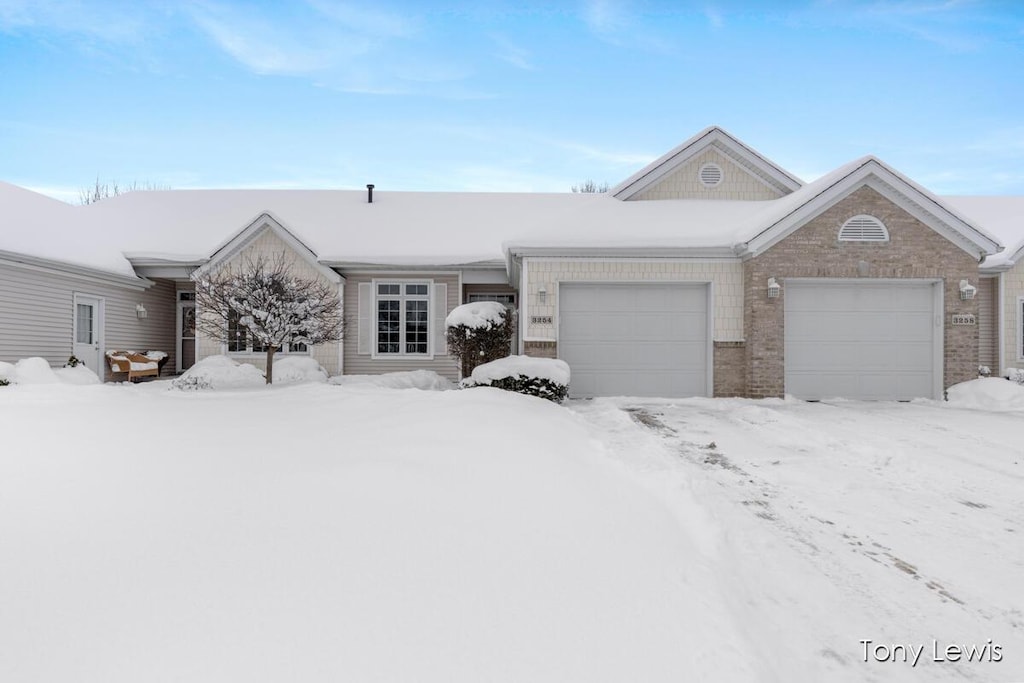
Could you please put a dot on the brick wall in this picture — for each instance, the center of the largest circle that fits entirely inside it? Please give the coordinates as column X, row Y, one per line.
column 541, row 349
column 730, row 369
column 914, row 251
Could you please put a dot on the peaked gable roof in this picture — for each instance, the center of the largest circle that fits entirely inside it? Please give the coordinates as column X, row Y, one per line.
column 784, row 216
column 712, row 137
column 263, row 223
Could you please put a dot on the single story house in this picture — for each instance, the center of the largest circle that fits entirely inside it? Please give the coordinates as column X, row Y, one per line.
column 710, row 272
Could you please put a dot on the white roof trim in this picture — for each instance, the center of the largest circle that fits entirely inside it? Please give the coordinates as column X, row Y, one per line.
column 265, row 221
column 913, row 199
column 625, row 253
column 74, row 270
column 760, row 167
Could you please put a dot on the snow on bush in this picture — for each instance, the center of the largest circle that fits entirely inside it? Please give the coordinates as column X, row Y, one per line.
column 1015, row 375
column 77, row 374
column 293, row 369
column 477, row 315
column 37, row 370
column 219, row 372
column 478, row 332
column 544, row 377
column 990, row 393
column 425, row 380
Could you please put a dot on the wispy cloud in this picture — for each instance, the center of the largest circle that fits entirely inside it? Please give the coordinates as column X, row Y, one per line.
column 265, row 47
column 614, row 23
column 605, row 156
column 123, row 23
column 956, row 25
column 513, row 54
column 714, row 16
column 337, row 45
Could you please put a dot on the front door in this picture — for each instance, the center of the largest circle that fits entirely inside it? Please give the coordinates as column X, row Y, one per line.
column 88, row 332
column 186, row 331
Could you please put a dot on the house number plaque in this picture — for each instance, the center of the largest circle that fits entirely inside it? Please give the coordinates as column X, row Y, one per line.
column 964, row 319
column 541, row 320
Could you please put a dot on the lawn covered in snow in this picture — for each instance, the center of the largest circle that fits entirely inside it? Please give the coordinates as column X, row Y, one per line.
column 320, row 532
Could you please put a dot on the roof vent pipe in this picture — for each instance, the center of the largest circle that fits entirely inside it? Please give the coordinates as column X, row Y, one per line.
column 369, row 193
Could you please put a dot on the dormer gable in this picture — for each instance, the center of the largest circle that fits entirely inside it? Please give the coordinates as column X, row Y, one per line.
column 711, row 165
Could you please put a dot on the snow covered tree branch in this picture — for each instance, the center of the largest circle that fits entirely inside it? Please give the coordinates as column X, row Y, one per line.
column 264, row 301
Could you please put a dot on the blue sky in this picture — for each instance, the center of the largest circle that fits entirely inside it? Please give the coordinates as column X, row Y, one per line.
column 498, row 96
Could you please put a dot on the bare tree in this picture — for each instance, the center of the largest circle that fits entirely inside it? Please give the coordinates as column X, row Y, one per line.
column 263, row 304
column 98, row 191
column 589, row 186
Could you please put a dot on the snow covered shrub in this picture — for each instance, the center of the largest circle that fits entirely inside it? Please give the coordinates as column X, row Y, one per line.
column 1015, row 375
column 72, row 362
column 544, row 377
column 479, row 332
column 293, row 369
column 984, row 371
column 219, row 372
column 4, row 382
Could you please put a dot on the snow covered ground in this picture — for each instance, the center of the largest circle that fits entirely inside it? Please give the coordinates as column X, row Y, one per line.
column 316, row 532
column 843, row 522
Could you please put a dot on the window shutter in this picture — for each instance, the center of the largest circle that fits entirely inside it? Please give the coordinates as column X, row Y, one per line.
column 365, row 314
column 440, row 304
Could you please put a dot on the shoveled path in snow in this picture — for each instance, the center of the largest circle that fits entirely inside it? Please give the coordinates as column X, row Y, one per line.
column 833, row 523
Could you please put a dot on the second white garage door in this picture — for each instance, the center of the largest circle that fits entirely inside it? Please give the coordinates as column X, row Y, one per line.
column 635, row 339
column 865, row 340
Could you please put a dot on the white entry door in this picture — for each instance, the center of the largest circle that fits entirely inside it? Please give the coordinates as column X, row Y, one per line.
column 88, row 332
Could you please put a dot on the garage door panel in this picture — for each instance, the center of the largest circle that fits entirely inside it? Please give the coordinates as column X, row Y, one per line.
column 860, row 340
column 643, row 339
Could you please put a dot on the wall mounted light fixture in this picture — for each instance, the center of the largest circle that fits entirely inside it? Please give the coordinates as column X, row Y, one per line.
column 140, row 311
column 773, row 288
column 967, row 290
column 542, row 295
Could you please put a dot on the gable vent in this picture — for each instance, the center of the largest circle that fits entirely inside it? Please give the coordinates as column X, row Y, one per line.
column 710, row 175
column 863, row 228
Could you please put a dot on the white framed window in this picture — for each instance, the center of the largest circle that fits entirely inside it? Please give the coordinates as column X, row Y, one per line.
column 402, row 318
column 863, row 228
column 240, row 341
column 508, row 299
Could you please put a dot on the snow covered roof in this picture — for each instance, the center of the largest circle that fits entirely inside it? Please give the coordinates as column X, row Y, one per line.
column 435, row 228
column 1002, row 216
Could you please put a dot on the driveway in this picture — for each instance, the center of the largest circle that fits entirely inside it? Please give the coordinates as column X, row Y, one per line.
column 844, row 529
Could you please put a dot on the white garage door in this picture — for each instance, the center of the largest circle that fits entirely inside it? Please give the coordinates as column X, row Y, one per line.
column 864, row 340
column 634, row 339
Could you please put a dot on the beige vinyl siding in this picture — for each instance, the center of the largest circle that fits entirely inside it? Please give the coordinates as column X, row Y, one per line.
column 683, row 183
column 366, row 364
column 124, row 329
column 1013, row 290
column 36, row 313
column 988, row 323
